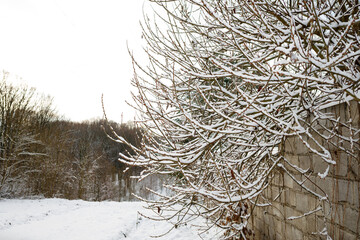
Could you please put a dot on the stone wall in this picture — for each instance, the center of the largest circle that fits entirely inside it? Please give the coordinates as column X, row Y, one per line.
column 338, row 214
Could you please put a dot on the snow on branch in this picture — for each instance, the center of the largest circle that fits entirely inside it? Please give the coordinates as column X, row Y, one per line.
column 227, row 83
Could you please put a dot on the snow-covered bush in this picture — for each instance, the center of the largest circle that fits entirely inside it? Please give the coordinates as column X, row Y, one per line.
column 228, row 82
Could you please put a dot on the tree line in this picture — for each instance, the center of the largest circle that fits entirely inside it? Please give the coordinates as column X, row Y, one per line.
column 44, row 155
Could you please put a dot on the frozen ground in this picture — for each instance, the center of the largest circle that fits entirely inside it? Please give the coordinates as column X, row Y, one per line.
column 61, row 219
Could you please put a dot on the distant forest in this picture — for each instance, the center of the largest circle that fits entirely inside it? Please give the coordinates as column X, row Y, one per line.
column 43, row 155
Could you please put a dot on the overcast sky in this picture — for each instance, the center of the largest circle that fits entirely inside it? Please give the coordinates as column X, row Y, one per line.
column 73, row 50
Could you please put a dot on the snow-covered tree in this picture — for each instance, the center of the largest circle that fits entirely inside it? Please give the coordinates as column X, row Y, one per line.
column 228, row 81
column 22, row 113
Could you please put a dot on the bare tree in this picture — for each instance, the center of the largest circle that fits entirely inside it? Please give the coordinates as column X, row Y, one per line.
column 22, row 111
column 227, row 83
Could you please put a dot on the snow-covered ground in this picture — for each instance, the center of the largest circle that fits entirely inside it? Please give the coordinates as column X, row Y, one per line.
column 64, row 219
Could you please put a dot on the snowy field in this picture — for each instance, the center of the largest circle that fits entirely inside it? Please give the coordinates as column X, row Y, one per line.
column 52, row 219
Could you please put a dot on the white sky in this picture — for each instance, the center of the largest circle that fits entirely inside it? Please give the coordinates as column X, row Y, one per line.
column 73, row 50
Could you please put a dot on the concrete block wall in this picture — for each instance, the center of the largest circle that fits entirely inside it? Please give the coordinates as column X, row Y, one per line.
column 338, row 214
